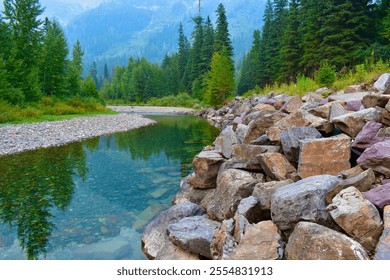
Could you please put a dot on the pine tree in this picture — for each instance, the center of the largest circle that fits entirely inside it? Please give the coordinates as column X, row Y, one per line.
column 183, row 53
column 106, row 73
column 222, row 37
column 266, row 39
column 208, row 46
column 26, row 35
column 94, row 74
column 220, row 79
column 89, row 88
column 290, row 51
column 196, row 50
column 54, row 60
column 76, row 69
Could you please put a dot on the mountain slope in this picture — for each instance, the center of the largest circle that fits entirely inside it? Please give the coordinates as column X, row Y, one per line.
column 115, row 30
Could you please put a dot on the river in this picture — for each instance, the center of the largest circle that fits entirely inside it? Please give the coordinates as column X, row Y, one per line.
column 91, row 200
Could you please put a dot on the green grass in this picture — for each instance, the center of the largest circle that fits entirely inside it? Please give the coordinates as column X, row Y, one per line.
column 49, row 109
column 360, row 74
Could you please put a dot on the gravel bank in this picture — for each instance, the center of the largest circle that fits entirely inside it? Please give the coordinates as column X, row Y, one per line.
column 152, row 110
column 18, row 138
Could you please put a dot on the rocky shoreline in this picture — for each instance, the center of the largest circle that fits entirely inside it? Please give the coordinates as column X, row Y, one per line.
column 296, row 178
column 19, row 138
column 145, row 110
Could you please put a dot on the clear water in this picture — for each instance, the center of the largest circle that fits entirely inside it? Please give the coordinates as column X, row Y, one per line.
column 92, row 199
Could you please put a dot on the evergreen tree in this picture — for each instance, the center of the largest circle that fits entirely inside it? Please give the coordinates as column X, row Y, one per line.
column 106, row 73
column 89, row 88
column 266, row 39
column 183, row 57
column 5, row 39
column 208, row 46
column 76, row 69
column 94, row 74
column 54, row 60
column 26, row 35
column 196, row 50
column 222, row 37
column 290, row 52
column 220, row 79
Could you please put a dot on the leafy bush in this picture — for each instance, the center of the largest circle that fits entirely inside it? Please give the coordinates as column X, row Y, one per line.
column 326, row 75
column 181, row 100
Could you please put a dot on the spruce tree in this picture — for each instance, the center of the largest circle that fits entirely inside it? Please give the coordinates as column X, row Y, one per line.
column 183, row 57
column 266, row 39
column 220, row 79
column 208, row 46
column 106, row 73
column 54, row 60
column 196, row 50
column 222, row 37
column 94, row 74
column 22, row 17
column 75, row 69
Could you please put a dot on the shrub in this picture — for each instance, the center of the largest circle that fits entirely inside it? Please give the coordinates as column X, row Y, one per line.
column 326, row 75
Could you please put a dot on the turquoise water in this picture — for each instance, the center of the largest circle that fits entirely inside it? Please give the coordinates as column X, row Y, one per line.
column 92, row 199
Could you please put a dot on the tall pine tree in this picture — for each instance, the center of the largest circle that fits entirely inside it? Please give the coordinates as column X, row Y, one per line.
column 222, row 36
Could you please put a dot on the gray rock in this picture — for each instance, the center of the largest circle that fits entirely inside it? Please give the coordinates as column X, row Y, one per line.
column 241, row 131
column 155, row 238
column 383, row 82
column 311, row 241
column 302, row 201
column 262, row 242
column 224, row 143
column 290, row 140
column 353, row 123
column 348, row 97
column 375, row 100
column 358, row 217
column 232, row 186
column 264, row 192
column 383, row 248
column 194, row 234
column 377, row 157
column 337, row 110
column 223, row 242
column 188, row 194
column 250, row 208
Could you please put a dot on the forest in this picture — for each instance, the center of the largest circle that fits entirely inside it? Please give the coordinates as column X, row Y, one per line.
column 297, row 39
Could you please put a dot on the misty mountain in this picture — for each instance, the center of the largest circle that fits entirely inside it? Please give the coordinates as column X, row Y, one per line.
column 115, row 30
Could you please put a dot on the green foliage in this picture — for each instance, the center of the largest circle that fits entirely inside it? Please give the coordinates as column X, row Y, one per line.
column 180, row 100
column 326, row 75
column 220, row 79
column 88, row 88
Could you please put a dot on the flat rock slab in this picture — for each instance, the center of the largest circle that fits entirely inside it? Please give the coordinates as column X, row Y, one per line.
column 324, row 156
column 155, row 238
column 377, row 157
column 262, row 242
column 379, row 196
column 194, row 234
column 383, row 248
column 348, row 96
column 358, row 217
column 311, row 241
column 302, row 201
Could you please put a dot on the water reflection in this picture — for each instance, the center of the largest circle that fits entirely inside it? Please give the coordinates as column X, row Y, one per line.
column 76, row 201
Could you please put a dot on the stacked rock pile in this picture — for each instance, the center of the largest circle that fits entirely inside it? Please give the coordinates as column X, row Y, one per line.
column 288, row 178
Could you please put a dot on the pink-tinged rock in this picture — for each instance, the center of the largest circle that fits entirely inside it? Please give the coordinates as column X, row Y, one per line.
column 324, row 156
column 377, row 157
column 379, row 196
column 383, row 248
column 348, row 97
column 368, row 136
column 354, row 105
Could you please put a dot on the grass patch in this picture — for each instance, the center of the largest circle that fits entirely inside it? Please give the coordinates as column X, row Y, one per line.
column 360, row 74
column 49, row 109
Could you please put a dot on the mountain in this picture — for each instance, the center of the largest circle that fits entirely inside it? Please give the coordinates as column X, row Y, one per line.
column 115, row 30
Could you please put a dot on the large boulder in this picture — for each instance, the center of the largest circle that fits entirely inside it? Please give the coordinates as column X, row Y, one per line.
column 324, row 156
column 377, row 157
column 290, row 140
column 358, row 217
column 302, row 201
column 383, row 248
column 264, row 191
column 379, row 196
column 383, row 83
column 225, row 141
column 276, row 166
column 206, row 166
column 194, row 234
column 262, row 242
column 353, row 123
column 311, row 241
column 155, row 238
column 262, row 123
column 232, row 186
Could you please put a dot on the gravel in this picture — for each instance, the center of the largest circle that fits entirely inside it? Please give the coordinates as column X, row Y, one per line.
column 152, row 110
column 19, row 138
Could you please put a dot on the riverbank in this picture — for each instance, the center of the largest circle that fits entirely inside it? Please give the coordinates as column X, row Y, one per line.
column 19, row 138
column 145, row 110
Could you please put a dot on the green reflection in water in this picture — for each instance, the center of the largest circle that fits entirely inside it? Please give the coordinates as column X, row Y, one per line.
column 71, row 201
